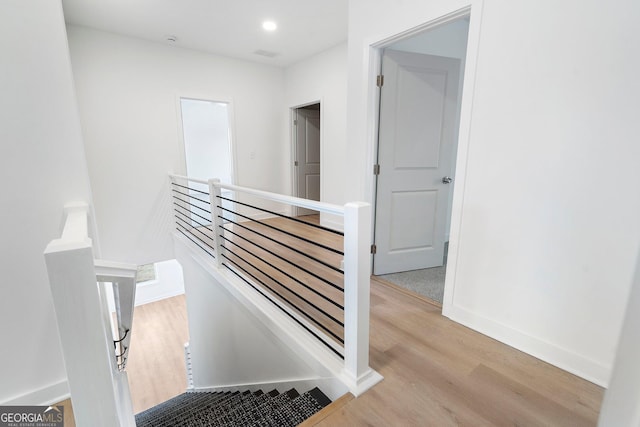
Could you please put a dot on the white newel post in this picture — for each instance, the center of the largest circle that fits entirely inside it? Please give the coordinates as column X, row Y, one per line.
column 216, row 222
column 357, row 249
column 98, row 390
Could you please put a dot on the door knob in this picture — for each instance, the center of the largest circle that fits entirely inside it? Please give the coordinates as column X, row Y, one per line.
column 446, row 180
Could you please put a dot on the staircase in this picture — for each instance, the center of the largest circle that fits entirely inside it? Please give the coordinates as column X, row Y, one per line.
column 235, row 409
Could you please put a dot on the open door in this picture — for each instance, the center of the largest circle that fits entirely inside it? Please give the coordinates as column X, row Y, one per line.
column 306, row 165
column 418, row 110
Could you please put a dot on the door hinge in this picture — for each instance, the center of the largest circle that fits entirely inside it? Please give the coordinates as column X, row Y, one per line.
column 295, row 122
column 380, row 80
column 374, row 249
column 295, row 163
column 376, row 169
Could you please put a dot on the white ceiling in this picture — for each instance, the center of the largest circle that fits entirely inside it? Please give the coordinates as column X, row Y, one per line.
column 224, row 27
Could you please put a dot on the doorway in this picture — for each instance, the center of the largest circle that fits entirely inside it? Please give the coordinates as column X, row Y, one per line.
column 208, row 150
column 306, row 136
column 420, row 96
column 207, row 139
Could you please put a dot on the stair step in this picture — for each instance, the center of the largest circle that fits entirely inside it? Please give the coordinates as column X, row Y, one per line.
column 234, row 409
column 181, row 402
column 295, row 411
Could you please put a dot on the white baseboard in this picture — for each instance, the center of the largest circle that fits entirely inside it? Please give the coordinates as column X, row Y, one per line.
column 158, row 297
column 562, row 358
column 333, row 222
column 48, row 395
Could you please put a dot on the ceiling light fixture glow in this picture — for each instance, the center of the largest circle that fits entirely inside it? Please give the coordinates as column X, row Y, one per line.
column 269, row 26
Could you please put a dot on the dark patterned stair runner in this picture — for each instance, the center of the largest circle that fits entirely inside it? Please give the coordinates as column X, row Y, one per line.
column 226, row 409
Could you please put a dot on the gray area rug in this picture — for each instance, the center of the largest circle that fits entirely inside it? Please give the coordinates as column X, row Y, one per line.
column 428, row 282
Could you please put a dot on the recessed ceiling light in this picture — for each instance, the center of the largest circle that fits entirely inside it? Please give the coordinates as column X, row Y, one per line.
column 172, row 39
column 269, row 26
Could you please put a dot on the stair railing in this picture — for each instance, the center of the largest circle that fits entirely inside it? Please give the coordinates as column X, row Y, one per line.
column 320, row 280
column 123, row 279
column 95, row 369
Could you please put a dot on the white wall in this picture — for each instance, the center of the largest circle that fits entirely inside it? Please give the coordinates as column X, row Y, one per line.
column 323, row 78
column 620, row 405
column 43, row 167
column 544, row 234
column 229, row 345
column 127, row 92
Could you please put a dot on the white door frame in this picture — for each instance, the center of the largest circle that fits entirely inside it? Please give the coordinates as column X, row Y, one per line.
column 293, row 140
column 373, row 56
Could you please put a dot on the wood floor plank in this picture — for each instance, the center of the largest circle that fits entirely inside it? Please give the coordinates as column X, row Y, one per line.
column 336, row 405
column 440, row 373
column 68, row 420
column 156, row 366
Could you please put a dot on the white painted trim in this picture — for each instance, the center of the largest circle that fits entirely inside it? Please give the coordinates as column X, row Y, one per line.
column 567, row 360
column 275, row 197
column 159, row 297
column 111, row 271
column 357, row 244
column 453, row 15
column 293, row 141
column 261, row 216
column 330, row 221
column 364, row 382
column 373, row 56
column 464, row 137
column 295, row 201
column 173, row 177
column 47, row 395
column 85, row 334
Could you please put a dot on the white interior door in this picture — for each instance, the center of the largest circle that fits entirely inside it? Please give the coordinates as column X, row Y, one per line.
column 415, row 153
column 307, row 156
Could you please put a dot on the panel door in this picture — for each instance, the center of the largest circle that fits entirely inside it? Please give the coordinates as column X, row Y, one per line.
column 415, row 150
column 307, row 166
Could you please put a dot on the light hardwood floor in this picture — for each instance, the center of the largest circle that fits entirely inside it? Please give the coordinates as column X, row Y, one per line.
column 156, row 366
column 436, row 372
column 440, row 373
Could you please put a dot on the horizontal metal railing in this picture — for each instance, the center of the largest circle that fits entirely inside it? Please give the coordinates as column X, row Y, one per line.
column 269, row 253
column 191, row 218
column 273, row 268
column 317, row 276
